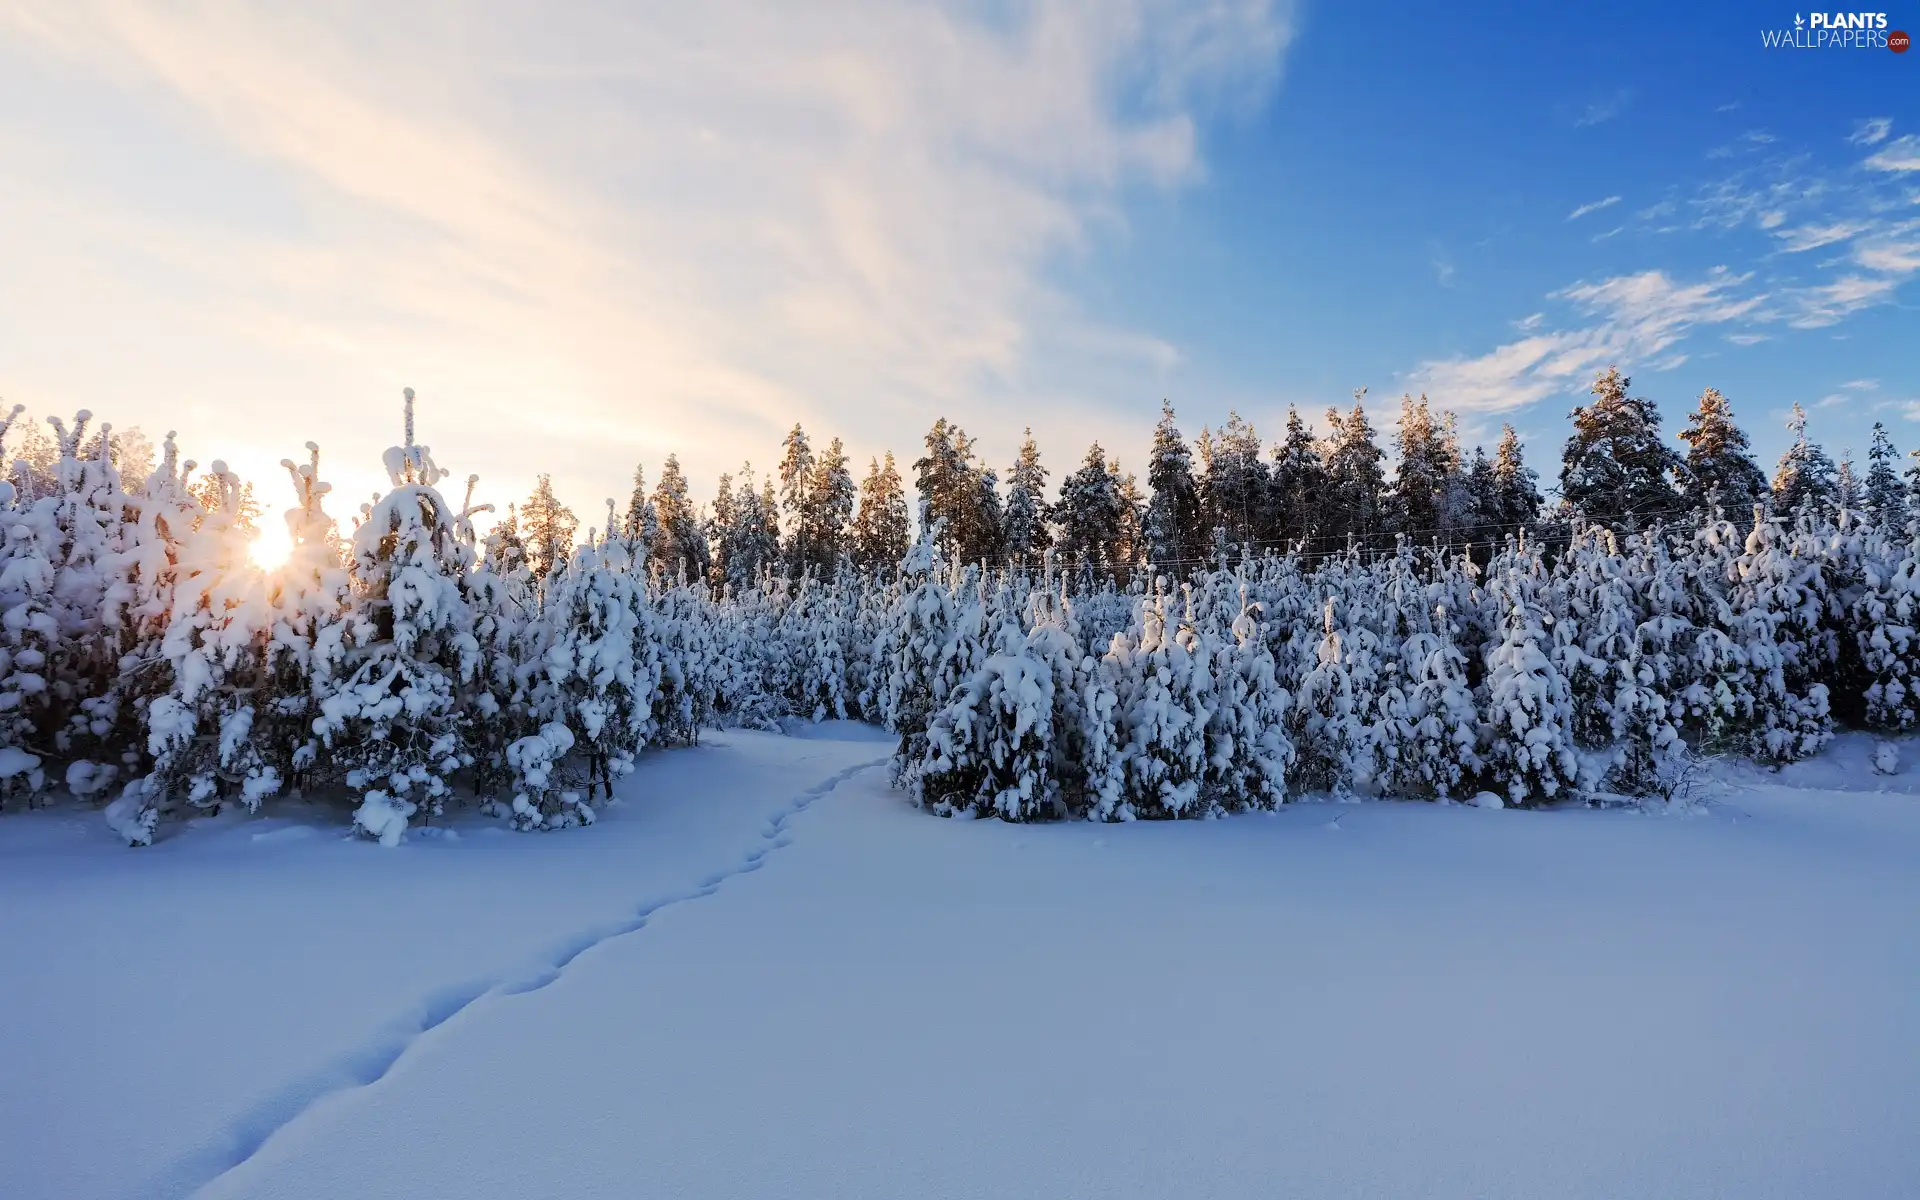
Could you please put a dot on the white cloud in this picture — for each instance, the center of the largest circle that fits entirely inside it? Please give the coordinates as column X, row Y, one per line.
column 1901, row 154
column 1871, row 131
column 1599, row 112
column 1593, row 207
column 1829, row 304
column 1633, row 319
column 1749, row 339
column 1616, row 231
column 1811, row 237
column 1890, row 256
column 1861, row 385
column 579, row 228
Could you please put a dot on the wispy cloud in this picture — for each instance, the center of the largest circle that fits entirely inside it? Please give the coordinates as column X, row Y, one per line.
column 1749, row 339
column 1829, row 304
column 1871, row 131
column 1752, row 139
column 1629, row 318
column 1811, row 237
column 1901, row 154
column 1729, row 106
column 1616, row 231
column 1598, row 112
column 1861, row 385
column 846, row 217
column 1592, row 207
column 1889, row 256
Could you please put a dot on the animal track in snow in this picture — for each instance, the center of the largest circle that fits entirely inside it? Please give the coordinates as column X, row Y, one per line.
column 368, row 1064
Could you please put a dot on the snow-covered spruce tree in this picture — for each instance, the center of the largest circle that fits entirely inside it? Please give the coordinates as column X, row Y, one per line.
column 1804, row 477
column 1441, row 754
column 395, row 727
column 1777, row 607
column 1248, row 753
column 1326, row 725
column 200, row 730
column 1174, row 540
column 1601, row 630
column 1885, row 616
column 1718, row 703
column 98, row 610
column 1721, row 475
column 1085, row 765
column 310, row 598
column 692, row 660
column 1026, row 535
column 990, row 746
column 29, row 633
column 813, row 628
column 1886, row 500
column 591, row 683
column 1165, row 687
column 1616, row 471
column 1530, row 753
column 918, row 678
column 504, row 601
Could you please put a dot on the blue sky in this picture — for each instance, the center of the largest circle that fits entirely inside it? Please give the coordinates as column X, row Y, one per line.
column 592, row 233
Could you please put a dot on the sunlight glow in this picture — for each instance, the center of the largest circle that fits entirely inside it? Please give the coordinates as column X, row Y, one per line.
column 271, row 548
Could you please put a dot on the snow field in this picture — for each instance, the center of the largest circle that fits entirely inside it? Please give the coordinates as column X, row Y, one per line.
column 1331, row 999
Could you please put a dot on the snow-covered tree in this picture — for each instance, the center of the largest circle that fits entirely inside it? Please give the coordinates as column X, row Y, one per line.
column 1616, row 471
column 1530, row 751
column 1885, row 494
column 1089, row 513
column 1804, row 477
column 1720, row 472
column 1174, row 538
column 1164, row 682
column 1027, row 536
column 395, row 725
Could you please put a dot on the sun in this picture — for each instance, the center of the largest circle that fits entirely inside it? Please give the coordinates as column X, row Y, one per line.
column 270, row 548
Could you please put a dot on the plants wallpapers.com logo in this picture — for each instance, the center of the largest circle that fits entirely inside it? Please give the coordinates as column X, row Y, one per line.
column 1837, row 31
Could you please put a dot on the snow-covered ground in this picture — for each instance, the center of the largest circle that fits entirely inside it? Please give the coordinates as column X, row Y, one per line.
column 764, row 975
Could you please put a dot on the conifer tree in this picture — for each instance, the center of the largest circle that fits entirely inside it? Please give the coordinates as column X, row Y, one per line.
column 1885, row 499
column 1849, row 490
column 1530, row 751
column 641, row 526
column 682, row 547
column 1356, row 483
column 1173, row 518
column 1615, row 470
column 828, row 510
column 1299, row 488
column 1516, row 497
column 1089, row 513
column 1805, row 476
column 881, row 529
column 796, row 479
column 1423, row 482
column 546, row 529
column 1720, row 471
column 1027, row 537
column 1235, row 486
column 958, row 496
column 394, row 725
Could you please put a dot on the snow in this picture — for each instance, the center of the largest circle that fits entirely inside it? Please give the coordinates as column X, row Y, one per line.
column 764, row 974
